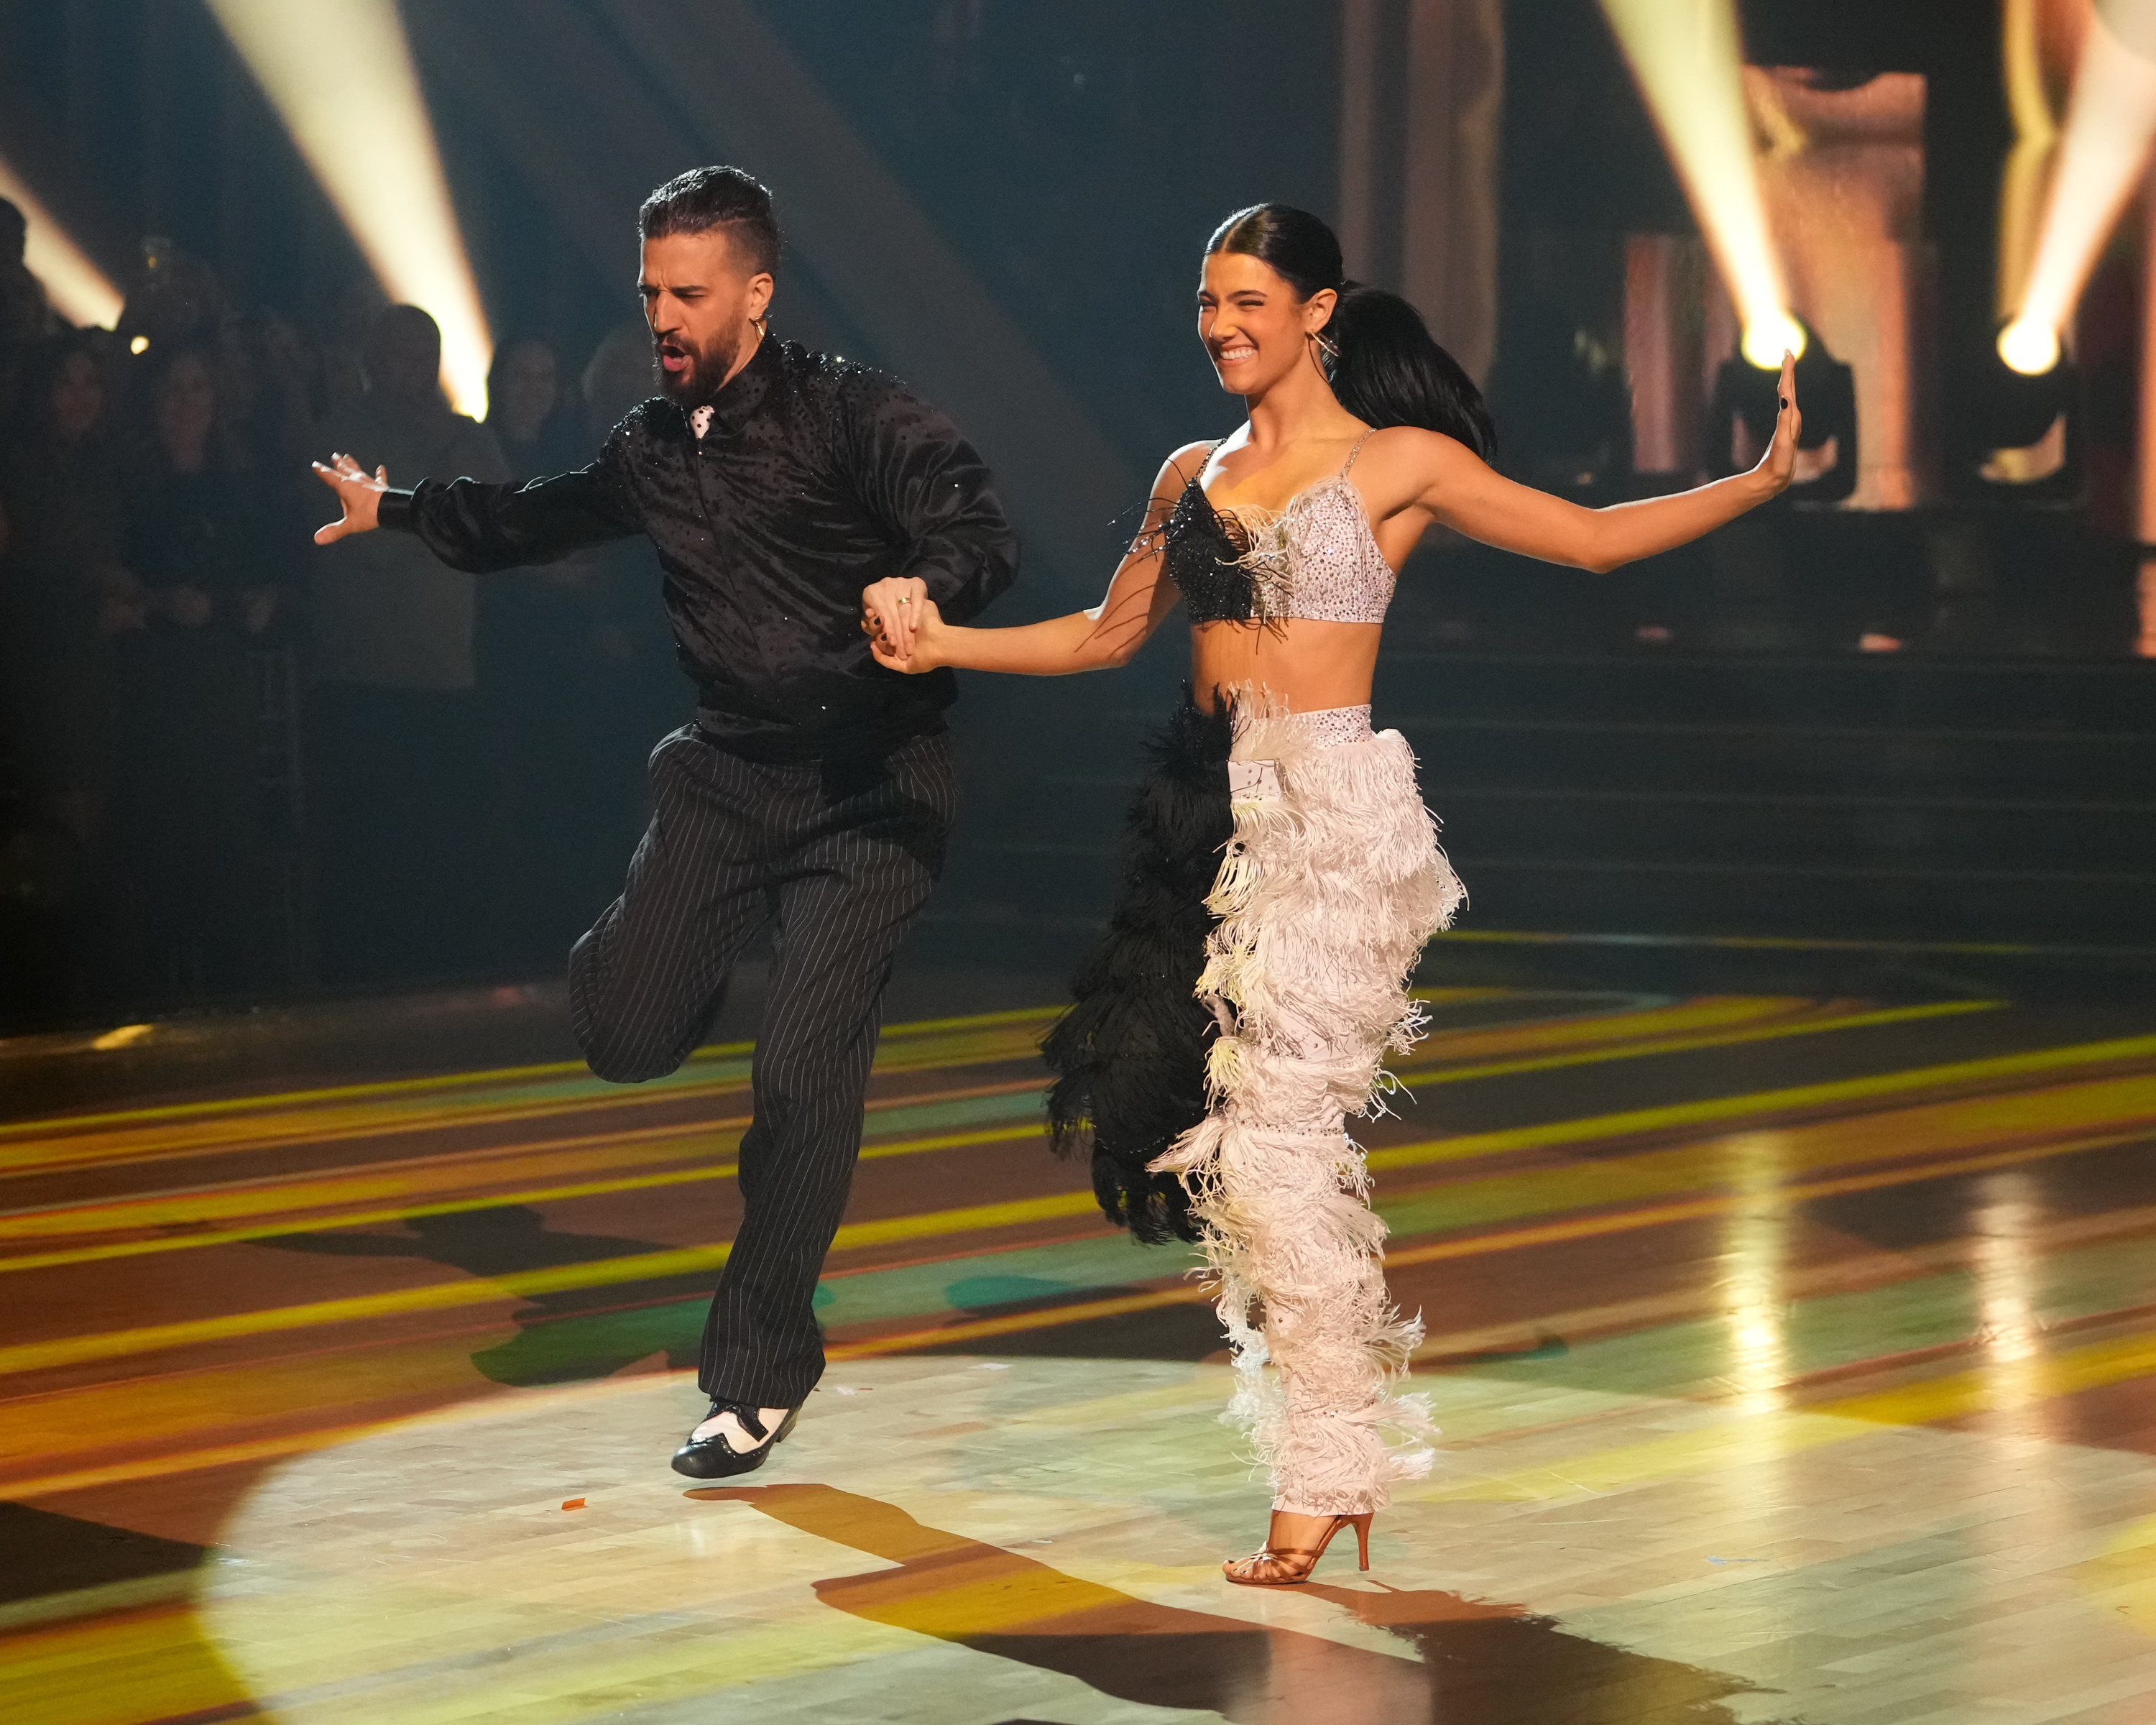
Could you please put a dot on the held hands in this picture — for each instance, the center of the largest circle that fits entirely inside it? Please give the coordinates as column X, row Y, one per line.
column 1778, row 467
column 359, row 491
column 902, row 624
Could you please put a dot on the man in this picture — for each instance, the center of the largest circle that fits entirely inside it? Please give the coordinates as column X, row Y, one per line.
column 394, row 706
column 24, row 317
column 790, row 495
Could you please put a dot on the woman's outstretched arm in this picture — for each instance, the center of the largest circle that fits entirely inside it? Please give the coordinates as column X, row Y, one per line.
column 1451, row 484
column 1137, row 599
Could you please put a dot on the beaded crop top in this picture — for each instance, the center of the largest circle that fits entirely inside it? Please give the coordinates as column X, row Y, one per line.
column 1316, row 559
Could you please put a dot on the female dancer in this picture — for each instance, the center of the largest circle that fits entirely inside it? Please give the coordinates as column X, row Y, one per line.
column 1281, row 873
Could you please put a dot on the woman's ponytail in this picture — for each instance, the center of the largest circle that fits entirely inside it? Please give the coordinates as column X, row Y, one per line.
column 1380, row 355
column 1387, row 371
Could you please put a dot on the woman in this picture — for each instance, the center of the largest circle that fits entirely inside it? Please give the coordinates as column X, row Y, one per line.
column 1281, row 873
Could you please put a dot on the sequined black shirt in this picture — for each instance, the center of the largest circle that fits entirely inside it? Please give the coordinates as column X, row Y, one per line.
column 814, row 477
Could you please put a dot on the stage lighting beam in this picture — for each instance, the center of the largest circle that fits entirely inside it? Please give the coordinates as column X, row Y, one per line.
column 1685, row 58
column 78, row 291
column 343, row 81
column 2111, row 123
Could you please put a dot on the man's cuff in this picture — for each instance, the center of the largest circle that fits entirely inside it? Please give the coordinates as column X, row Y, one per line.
column 394, row 510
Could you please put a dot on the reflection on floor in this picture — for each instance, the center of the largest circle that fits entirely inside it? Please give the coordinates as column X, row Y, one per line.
column 1796, row 1358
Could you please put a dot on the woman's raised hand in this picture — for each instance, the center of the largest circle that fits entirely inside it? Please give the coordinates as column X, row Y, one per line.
column 1778, row 466
column 915, row 649
column 358, row 490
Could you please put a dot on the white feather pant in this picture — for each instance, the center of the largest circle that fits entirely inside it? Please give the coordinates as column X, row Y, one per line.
column 1324, row 896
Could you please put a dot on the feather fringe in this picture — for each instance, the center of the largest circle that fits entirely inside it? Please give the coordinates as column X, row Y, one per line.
column 1325, row 895
column 1130, row 1054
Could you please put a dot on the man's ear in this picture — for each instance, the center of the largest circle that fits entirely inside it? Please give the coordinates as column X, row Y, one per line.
column 761, row 288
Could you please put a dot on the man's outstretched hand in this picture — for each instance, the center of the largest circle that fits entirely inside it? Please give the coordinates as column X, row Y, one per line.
column 358, row 489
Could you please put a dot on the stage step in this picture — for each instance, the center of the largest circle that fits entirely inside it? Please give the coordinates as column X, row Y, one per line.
column 1877, row 799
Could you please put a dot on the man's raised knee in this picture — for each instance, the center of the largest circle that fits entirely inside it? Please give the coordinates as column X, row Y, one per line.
column 620, row 1061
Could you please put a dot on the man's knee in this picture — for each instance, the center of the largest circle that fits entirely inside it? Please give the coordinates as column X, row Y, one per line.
column 617, row 1042
column 620, row 1061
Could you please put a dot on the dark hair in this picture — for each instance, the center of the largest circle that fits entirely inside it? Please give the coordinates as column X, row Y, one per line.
column 1382, row 362
column 499, row 364
column 707, row 198
column 48, row 360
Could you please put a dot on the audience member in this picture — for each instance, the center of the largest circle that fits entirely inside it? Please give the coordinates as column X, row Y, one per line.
column 542, row 647
column 534, row 423
column 616, row 378
column 174, row 301
column 188, row 814
column 24, row 316
column 395, row 709
column 64, row 593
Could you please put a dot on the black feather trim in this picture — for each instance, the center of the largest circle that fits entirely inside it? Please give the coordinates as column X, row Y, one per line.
column 1130, row 1054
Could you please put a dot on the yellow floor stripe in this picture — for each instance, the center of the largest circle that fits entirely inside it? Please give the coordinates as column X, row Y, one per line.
column 278, row 1133
column 221, row 1128
column 542, row 1194
column 57, row 1145
column 304, row 1210
column 1415, row 1080
column 497, row 1076
column 1800, row 1098
column 437, row 1296
column 1558, row 1031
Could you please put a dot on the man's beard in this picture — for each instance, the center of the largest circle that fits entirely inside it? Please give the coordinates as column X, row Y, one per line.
column 708, row 367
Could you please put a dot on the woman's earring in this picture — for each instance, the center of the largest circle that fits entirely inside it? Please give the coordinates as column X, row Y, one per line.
column 1331, row 350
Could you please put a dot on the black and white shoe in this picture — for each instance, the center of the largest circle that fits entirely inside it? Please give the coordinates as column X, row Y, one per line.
column 717, row 1457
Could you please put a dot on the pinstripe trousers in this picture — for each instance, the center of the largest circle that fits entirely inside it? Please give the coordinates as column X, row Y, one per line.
column 837, row 856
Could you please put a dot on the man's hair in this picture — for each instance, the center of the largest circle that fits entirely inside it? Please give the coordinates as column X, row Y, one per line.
column 707, row 198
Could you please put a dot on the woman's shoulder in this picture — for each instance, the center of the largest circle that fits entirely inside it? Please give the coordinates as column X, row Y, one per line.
column 1410, row 453
column 1183, row 466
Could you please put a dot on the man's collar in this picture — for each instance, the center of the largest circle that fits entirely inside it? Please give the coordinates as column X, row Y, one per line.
column 743, row 392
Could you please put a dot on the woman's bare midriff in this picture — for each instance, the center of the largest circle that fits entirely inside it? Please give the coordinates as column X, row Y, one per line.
column 1308, row 664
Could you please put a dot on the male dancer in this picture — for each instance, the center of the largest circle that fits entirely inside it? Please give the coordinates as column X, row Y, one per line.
column 790, row 495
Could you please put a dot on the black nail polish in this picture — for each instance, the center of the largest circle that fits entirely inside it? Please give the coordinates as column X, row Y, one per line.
column 1786, row 403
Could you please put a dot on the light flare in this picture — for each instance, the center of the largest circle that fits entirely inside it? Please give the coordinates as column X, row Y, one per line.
column 78, row 289
column 2111, row 123
column 2030, row 346
column 341, row 78
column 1685, row 58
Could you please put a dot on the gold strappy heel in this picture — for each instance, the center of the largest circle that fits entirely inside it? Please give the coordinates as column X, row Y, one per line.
column 1292, row 1565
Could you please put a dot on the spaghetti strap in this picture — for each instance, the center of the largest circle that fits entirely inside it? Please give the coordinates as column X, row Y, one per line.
column 1357, row 449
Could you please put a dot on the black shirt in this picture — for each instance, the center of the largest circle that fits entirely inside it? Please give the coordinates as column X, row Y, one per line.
column 814, row 479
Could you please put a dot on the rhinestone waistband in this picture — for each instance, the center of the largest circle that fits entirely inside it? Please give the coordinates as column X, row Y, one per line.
column 1331, row 727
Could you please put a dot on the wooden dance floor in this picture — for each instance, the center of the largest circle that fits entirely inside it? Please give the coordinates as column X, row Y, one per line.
column 1796, row 1360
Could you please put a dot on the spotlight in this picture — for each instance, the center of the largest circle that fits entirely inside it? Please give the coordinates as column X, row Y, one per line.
column 2021, row 435
column 2111, row 121
column 1748, row 394
column 1767, row 339
column 79, row 290
column 2028, row 348
column 350, row 99
column 1686, row 58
